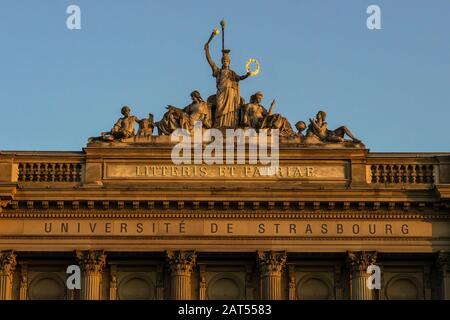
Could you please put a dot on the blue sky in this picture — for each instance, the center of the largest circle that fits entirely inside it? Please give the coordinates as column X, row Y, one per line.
column 390, row 86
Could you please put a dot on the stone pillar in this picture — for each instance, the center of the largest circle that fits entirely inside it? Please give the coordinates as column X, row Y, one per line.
column 271, row 265
column 202, row 293
column 358, row 262
column 292, row 283
column 113, row 282
column 249, row 282
column 442, row 264
column 23, row 295
column 338, row 289
column 7, row 267
column 202, row 285
column 92, row 264
column 160, row 282
column 181, row 264
column 427, row 282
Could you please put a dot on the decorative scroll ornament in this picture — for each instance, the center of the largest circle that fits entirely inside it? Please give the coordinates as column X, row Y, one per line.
column 250, row 62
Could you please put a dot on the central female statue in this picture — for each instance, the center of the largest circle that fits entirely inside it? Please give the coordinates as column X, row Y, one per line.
column 228, row 94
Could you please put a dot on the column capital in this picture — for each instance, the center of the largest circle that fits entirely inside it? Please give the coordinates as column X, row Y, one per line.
column 360, row 260
column 7, row 262
column 181, row 261
column 91, row 260
column 271, row 262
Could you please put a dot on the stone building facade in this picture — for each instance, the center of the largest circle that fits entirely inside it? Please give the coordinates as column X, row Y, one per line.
column 141, row 227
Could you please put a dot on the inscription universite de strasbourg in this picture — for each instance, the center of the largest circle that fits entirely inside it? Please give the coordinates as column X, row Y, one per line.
column 225, row 228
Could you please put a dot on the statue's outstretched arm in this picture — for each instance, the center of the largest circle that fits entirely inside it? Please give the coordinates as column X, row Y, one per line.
column 209, row 59
column 245, row 76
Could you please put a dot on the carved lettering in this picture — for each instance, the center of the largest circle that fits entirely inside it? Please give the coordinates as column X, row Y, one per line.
column 261, row 228
column 292, row 228
column 405, row 229
column 231, row 228
column 308, row 229
column 48, row 227
column 143, row 171
column 92, row 226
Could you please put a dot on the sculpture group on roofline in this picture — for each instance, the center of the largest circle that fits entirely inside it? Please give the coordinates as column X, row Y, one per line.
column 226, row 110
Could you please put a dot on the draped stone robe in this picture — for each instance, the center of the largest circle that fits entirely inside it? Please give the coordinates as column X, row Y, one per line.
column 227, row 97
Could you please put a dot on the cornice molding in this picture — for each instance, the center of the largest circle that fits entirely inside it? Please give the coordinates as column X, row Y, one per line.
column 201, row 214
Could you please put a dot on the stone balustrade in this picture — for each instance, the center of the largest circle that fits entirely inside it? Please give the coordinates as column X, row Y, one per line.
column 402, row 173
column 49, row 172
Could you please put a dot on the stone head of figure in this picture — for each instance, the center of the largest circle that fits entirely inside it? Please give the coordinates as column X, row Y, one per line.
column 196, row 97
column 225, row 59
column 300, row 126
column 257, row 97
column 125, row 111
column 321, row 115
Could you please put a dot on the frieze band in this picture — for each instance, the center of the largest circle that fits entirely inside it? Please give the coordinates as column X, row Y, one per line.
column 223, row 228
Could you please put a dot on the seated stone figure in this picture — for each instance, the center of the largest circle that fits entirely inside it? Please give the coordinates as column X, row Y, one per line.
column 318, row 128
column 124, row 128
column 146, row 126
column 176, row 118
column 254, row 115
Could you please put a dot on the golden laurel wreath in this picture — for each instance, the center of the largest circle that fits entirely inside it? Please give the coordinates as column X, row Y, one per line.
column 247, row 66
